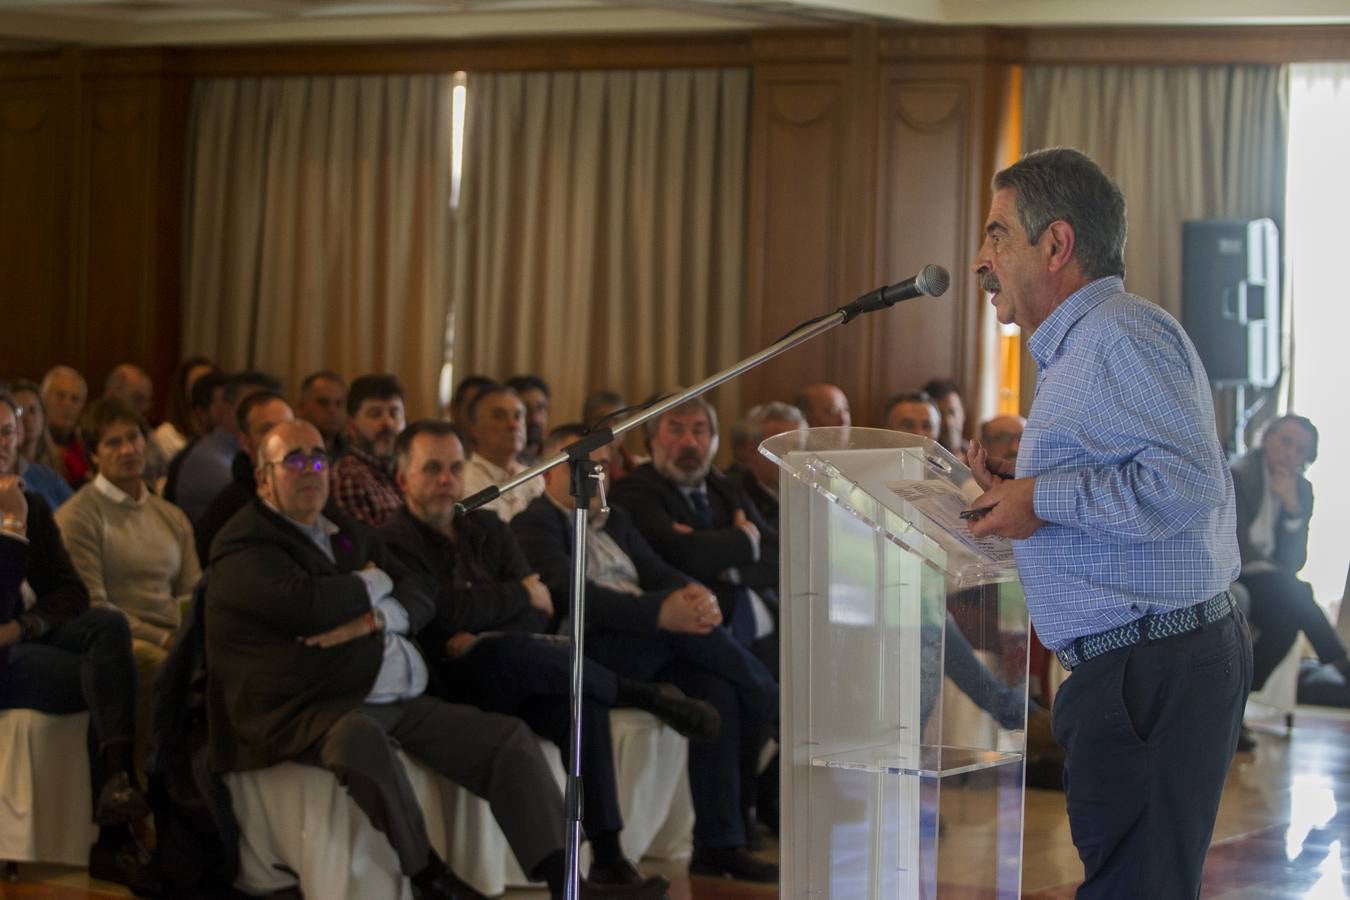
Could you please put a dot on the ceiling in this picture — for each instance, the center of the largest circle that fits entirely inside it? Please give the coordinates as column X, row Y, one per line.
column 185, row 22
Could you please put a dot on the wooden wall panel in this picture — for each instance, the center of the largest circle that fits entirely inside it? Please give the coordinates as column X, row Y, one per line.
column 35, row 192
column 797, row 252
column 931, row 144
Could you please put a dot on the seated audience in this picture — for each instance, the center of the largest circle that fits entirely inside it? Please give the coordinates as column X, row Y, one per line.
column 31, row 435
column 257, row 415
column 63, row 394
column 1002, row 436
column 647, row 621
column 952, row 414
column 464, row 394
column 364, row 482
column 308, row 619
column 484, row 640
column 913, row 413
column 133, row 387
column 1274, row 509
column 601, row 406
column 824, row 406
column 496, row 423
column 133, row 550
column 203, row 469
column 180, row 424
column 758, row 475
column 534, row 393
column 701, row 523
column 323, row 404
column 58, row 656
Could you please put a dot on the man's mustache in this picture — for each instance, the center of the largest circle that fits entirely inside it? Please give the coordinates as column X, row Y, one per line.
column 989, row 283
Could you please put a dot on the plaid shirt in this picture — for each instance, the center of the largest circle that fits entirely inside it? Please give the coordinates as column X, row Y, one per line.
column 364, row 487
column 1130, row 477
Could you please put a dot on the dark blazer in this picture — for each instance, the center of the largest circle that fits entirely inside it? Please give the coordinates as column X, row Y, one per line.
column 1249, row 486
column 656, row 504
column 270, row 697
column 765, row 503
column 476, row 578
column 545, row 534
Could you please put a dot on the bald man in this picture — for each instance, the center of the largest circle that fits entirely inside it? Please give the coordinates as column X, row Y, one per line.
column 64, row 393
column 1002, row 435
column 824, row 405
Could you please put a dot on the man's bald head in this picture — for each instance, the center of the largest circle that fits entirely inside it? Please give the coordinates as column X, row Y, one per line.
column 130, row 384
column 1002, row 436
column 824, row 405
column 293, row 471
column 63, row 394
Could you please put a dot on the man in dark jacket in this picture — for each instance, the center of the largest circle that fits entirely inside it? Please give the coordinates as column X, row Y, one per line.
column 487, row 642
column 700, row 522
column 308, row 659
column 1274, row 507
column 647, row 621
column 59, row 656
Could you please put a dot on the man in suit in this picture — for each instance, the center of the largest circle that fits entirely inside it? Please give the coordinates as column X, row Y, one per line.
column 701, row 523
column 308, row 620
column 757, row 474
column 647, row 621
column 487, row 641
column 1274, row 507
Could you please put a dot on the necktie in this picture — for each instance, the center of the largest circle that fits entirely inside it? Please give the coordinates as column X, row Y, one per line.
column 702, row 511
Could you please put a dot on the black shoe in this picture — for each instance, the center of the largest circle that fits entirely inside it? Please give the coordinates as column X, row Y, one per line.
column 697, row 720
column 437, row 882
column 1246, row 743
column 129, row 865
column 733, row 862
column 621, row 871
column 654, row 888
column 120, row 802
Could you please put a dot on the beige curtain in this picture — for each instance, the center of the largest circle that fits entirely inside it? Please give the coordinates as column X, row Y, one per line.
column 1183, row 142
column 599, row 239
column 317, row 226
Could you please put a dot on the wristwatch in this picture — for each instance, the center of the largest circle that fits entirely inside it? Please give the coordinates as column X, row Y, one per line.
column 377, row 616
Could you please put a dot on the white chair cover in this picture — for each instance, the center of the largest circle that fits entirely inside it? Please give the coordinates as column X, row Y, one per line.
column 45, row 804
column 298, row 819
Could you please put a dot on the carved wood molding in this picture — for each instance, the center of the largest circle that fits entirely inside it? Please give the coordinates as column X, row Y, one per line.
column 1170, row 46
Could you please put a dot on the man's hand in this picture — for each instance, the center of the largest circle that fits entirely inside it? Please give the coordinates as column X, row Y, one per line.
column 681, row 528
column 460, row 644
column 691, row 609
column 739, row 520
column 1011, row 510
column 10, row 633
column 356, row 628
column 540, row 598
column 1284, row 485
column 13, row 504
column 988, row 470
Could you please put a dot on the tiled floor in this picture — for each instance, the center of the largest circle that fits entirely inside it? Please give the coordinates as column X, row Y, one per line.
column 1282, row 833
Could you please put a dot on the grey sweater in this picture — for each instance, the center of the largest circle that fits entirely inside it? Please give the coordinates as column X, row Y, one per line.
column 136, row 556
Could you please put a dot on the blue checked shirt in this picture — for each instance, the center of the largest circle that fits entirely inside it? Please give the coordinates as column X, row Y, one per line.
column 1130, row 477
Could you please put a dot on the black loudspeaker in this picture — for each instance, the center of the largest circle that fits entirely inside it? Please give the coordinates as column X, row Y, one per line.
column 1230, row 298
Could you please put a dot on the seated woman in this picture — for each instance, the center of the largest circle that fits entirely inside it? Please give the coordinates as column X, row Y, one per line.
column 29, row 463
column 133, row 550
column 59, row 656
column 1274, row 506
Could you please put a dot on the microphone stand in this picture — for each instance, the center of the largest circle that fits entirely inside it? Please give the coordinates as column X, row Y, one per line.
column 586, row 479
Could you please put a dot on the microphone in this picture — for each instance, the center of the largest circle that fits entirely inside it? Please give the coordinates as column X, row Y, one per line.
column 932, row 281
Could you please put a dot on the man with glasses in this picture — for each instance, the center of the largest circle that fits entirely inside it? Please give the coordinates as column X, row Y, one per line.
column 309, row 659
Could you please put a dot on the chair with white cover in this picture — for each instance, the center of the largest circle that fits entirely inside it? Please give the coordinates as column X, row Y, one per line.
column 45, row 801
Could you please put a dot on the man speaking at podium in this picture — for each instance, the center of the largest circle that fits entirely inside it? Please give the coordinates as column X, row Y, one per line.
column 1120, row 507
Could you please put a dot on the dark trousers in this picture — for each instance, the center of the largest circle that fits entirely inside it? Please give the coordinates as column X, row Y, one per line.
column 83, row 663
column 1282, row 606
column 1149, row 732
column 495, row 757
column 717, row 668
column 518, row 675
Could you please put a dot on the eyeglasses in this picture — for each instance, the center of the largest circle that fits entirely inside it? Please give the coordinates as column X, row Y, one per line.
column 299, row 461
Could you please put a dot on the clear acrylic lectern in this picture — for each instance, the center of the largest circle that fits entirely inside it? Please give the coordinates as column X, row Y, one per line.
column 904, row 664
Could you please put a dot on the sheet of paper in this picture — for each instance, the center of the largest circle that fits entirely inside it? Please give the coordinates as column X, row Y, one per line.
column 942, row 503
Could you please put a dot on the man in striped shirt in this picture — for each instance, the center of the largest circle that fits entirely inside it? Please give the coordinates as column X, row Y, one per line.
column 1120, row 508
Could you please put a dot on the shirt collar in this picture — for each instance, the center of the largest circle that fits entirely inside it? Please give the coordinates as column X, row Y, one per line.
column 382, row 466
column 319, row 532
column 594, row 521
column 1045, row 341
column 116, row 494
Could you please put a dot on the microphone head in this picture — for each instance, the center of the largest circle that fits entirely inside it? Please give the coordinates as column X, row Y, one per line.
column 933, row 280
